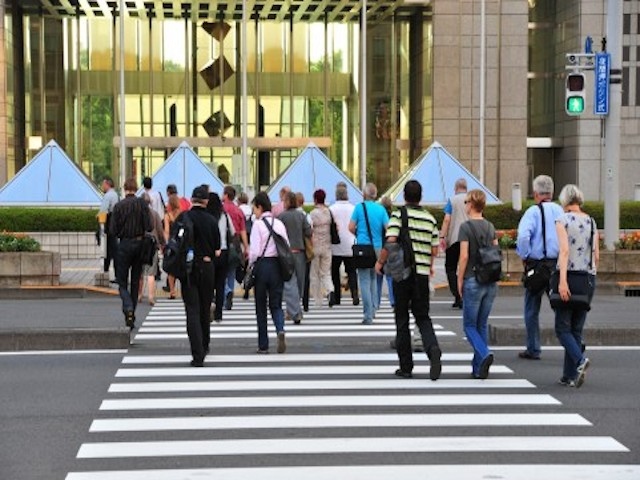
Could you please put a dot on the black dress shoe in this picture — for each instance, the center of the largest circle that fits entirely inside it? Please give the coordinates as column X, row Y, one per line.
column 195, row 363
column 403, row 374
column 130, row 319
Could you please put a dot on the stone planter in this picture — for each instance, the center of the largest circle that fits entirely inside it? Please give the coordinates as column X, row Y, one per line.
column 615, row 266
column 29, row 269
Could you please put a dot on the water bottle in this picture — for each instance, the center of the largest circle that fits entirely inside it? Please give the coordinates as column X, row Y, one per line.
column 189, row 260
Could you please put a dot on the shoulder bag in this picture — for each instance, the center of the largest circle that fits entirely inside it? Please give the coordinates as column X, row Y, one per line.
column 285, row 256
column 537, row 273
column 364, row 256
column 333, row 229
column 234, row 247
column 581, row 285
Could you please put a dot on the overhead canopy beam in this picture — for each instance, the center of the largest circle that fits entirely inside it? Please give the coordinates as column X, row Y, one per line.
column 261, row 143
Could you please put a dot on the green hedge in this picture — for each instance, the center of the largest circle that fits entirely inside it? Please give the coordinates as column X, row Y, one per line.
column 32, row 219
column 28, row 219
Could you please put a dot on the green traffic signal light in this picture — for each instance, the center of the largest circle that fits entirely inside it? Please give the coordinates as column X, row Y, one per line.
column 575, row 105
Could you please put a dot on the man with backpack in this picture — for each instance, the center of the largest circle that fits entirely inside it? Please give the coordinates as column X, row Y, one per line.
column 413, row 292
column 197, row 249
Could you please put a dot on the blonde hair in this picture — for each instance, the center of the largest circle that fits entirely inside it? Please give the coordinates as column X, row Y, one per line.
column 478, row 199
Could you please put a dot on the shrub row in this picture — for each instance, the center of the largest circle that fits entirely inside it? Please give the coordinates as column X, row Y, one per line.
column 28, row 219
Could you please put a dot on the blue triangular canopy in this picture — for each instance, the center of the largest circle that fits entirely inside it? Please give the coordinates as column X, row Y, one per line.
column 186, row 171
column 309, row 172
column 437, row 171
column 50, row 179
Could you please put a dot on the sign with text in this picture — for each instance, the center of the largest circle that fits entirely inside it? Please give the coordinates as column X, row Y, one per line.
column 601, row 97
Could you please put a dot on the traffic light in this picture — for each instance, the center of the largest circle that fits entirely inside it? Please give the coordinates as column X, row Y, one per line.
column 575, row 97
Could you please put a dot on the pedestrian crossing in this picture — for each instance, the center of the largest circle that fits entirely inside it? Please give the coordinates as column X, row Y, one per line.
column 316, row 415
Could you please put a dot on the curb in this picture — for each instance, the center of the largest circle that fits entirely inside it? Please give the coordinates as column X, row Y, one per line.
column 58, row 291
column 65, row 339
column 619, row 336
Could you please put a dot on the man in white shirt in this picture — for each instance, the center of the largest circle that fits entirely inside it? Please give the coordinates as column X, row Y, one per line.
column 109, row 201
column 342, row 210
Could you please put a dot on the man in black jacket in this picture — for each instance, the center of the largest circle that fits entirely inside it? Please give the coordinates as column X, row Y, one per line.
column 197, row 288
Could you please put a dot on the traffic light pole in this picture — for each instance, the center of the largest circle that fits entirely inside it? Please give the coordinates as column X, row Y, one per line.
column 612, row 128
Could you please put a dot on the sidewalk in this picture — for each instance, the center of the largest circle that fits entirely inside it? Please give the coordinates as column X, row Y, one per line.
column 78, row 315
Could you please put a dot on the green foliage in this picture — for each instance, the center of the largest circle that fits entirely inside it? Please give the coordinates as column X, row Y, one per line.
column 97, row 135
column 10, row 242
column 31, row 219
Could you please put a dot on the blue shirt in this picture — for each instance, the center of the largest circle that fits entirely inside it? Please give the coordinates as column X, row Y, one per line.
column 448, row 208
column 530, row 232
column 378, row 219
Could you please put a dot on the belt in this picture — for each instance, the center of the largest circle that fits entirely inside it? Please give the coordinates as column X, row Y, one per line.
column 132, row 238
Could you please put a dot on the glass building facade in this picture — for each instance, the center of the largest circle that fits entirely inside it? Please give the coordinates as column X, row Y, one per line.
column 182, row 77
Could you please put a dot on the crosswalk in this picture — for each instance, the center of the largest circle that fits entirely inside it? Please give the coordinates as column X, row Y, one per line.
column 318, row 414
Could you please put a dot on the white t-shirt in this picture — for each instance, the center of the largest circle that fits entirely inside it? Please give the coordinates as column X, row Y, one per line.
column 342, row 211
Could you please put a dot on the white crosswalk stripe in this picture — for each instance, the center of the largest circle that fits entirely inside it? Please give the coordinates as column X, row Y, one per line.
column 241, row 412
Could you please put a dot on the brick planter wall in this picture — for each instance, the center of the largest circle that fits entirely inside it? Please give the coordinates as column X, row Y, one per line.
column 70, row 245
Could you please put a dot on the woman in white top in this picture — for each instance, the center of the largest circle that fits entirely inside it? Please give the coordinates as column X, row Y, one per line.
column 579, row 251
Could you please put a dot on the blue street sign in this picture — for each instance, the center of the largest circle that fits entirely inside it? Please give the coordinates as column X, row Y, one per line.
column 601, row 102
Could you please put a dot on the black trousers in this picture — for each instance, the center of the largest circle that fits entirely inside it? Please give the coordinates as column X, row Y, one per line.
column 452, row 255
column 129, row 262
column 197, row 294
column 412, row 293
column 112, row 252
column 305, row 293
column 352, row 277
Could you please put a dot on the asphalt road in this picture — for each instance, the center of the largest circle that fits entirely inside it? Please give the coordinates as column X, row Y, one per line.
column 331, row 403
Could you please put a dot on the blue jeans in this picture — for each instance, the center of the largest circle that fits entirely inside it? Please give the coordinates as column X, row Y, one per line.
column 389, row 288
column 369, row 291
column 269, row 285
column 231, row 281
column 569, row 325
column 532, row 321
column 477, row 300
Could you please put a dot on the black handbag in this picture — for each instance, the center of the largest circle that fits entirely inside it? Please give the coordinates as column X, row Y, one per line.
column 285, row 255
column 537, row 273
column 149, row 248
column 581, row 284
column 333, row 229
column 364, row 256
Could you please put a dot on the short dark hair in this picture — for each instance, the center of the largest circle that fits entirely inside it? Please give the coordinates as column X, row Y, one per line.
column 262, row 200
column 229, row 191
column 147, row 182
column 412, row 191
column 108, row 179
column 319, row 196
column 172, row 189
column 291, row 200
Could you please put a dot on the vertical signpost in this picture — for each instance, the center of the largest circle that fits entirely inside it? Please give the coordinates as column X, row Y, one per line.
column 601, row 94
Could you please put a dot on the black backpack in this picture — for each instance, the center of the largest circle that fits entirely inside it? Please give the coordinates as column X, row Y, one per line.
column 180, row 242
column 488, row 264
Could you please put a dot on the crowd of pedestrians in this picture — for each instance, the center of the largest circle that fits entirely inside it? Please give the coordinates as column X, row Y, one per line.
column 558, row 244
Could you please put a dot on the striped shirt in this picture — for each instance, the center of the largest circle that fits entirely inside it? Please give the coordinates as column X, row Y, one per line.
column 130, row 218
column 423, row 231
